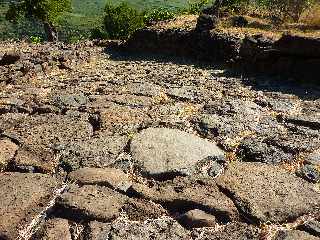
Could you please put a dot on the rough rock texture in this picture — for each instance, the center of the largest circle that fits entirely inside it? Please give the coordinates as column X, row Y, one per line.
column 40, row 135
column 99, row 151
column 141, row 210
column 183, row 42
column 23, row 196
column 234, row 231
column 181, row 195
column 8, row 150
column 314, row 158
column 91, row 202
column 164, row 152
column 74, row 112
column 294, row 235
column 312, row 227
column 291, row 55
column 161, row 229
column 197, row 219
column 298, row 45
column 112, row 178
column 54, row 229
column 9, row 58
column 266, row 193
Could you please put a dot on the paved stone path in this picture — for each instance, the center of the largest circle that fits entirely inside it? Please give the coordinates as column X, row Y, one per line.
column 97, row 145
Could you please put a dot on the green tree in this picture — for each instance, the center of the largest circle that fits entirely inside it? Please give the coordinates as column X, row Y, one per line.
column 286, row 10
column 46, row 11
column 122, row 20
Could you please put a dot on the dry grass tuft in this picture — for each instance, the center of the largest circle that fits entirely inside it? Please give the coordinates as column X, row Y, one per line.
column 312, row 16
column 269, row 230
column 296, row 164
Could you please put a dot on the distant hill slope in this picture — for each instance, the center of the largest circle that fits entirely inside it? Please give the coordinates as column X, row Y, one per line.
column 86, row 14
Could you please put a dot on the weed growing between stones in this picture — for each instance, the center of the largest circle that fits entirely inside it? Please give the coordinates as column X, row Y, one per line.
column 28, row 231
column 268, row 230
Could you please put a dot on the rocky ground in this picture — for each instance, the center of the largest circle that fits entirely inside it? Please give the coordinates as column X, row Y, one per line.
column 101, row 145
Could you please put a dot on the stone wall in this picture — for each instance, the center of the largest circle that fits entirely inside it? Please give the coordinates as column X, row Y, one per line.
column 292, row 56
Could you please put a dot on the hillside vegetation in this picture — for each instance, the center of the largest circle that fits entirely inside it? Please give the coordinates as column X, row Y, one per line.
column 85, row 15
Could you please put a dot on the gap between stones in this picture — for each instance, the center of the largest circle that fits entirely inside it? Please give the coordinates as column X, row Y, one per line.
column 28, row 231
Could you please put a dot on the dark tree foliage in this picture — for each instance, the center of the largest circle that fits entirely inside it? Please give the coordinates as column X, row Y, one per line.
column 122, row 20
column 46, row 11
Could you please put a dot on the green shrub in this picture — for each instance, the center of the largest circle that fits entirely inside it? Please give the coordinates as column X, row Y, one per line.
column 122, row 20
column 36, row 39
column 98, row 33
column 158, row 14
column 196, row 7
column 286, row 10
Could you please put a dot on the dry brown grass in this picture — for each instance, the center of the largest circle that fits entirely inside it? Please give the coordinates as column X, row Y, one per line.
column 312, row 16
column 308, row 26
column 181, row 22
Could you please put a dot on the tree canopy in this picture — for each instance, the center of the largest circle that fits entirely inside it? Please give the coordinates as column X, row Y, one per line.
column 46, row 11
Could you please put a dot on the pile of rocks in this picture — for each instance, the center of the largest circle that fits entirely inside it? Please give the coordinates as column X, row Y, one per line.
column 20, row 59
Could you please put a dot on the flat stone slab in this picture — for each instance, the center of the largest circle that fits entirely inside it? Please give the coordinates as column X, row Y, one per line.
column 99, row 151
column 23, row 196
column 109, row 177
column 268, row 193
column 38, row 135
column 46, row 129
column 91, row 203
column 164, row 152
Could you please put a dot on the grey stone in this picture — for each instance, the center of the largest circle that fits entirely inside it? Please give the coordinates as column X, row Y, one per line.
column 98, row 230
column 189, row 93
column 268, row 193
column 23, row 197
column 130, row 100
column 162, row 152
column 71, row 100
column 314, row 158
column 206, row 22
column 46, row 129
column 310, row 173
column 39, row 134
column 99, row 151
column 144, row 89
column 255, row 149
